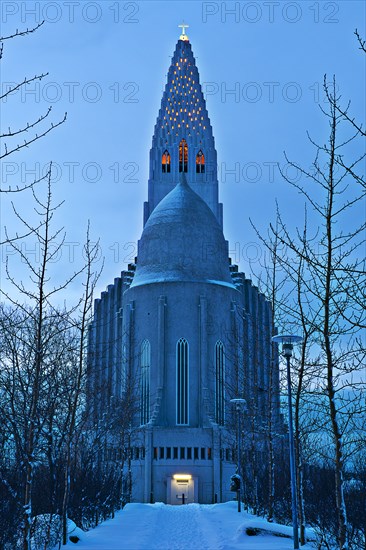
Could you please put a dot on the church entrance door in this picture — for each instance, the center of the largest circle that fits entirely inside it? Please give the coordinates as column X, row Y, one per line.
column 181, row 489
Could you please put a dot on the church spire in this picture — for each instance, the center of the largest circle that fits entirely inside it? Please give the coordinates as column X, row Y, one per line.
column 183, row 140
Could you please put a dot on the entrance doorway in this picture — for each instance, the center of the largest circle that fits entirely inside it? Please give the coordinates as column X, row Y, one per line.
column 182, row 489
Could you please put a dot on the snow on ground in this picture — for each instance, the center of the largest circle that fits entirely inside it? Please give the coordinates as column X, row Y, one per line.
column 190, row 527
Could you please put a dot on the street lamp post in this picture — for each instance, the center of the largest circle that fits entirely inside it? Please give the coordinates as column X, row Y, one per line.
column 287, row 342
column 240, row 404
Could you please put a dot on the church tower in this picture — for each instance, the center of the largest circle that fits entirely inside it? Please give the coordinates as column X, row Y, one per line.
column 183, row 141
column 181, row 333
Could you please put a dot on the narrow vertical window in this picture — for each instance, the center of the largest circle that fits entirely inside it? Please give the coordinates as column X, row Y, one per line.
column 145, row 382
column 124, row 371
column 200, row 162
column 165, row 162
column 182, row 382
column 183, row 156
column 220, row 384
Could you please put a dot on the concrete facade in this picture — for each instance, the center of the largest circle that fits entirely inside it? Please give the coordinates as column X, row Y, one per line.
column 182, row 326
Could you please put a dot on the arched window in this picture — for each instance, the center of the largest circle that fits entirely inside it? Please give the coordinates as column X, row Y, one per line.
column 183, row 156
column 182, row 382
column 165, row 162
column 145, row 382
column 220, row 384
column 200, row 162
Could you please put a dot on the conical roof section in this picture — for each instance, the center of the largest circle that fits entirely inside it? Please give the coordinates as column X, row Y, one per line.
column 183, row 112
column 182, row 241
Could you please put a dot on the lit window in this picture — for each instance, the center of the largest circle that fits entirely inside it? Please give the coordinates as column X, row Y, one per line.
column 165, row 162
column 182, row 381
column 183, row 156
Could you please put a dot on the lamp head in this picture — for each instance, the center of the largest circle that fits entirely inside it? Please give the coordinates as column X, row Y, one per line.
column 287, row 341
column 239, row 403
column 287, row 350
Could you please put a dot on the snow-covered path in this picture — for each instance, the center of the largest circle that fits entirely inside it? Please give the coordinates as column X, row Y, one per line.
column 155, row 527
column 182, row 526
column 191, row 527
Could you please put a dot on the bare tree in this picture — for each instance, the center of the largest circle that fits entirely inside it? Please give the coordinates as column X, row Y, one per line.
column 334, row 276
column 273, row 284
column 36, row 306
column 78, row 386
column 31, row 131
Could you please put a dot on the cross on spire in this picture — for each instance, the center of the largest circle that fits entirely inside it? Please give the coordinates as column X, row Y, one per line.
column 183, row 26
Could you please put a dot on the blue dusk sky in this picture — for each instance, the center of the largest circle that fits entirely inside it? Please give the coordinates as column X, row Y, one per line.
column 261, row 67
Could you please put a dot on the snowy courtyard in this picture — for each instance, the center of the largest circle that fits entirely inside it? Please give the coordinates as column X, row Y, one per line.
column 191, row 527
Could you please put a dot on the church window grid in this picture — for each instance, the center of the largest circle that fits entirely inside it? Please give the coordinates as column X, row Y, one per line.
column 145, row 382
column 180, row 453
column 182, row 383
column 219, row 384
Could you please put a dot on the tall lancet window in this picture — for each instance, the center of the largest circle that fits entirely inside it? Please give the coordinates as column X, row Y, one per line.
column 145, row 381
column 182, row 382
column 220, row 384
column 183, row 156
column 200, row 162
column 165, row 162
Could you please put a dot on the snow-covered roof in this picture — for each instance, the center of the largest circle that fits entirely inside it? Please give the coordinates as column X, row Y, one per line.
column 182, row 241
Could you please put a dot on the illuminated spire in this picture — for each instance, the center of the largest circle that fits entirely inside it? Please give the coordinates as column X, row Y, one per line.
column 183, row 140
column 183, row 113
column 183, row 36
